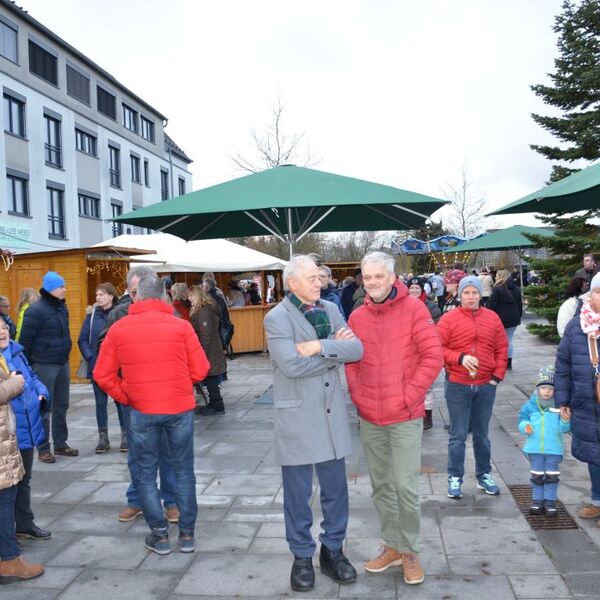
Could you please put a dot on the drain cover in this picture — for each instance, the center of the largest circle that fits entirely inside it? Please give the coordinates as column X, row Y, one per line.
column 563, row 520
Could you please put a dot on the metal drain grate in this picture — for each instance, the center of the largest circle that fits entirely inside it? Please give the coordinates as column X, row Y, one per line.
column 563, row 520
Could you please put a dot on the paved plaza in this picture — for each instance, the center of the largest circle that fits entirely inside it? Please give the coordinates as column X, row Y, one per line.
column 477, row 547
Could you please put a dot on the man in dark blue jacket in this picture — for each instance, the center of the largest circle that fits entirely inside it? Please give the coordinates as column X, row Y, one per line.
column 47, row 343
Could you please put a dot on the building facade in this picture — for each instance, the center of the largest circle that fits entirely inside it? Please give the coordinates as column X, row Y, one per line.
column 78, row 146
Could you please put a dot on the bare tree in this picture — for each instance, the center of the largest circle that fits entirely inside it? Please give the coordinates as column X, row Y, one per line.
column 353, row 246
column 465, row 213
column 274, row 147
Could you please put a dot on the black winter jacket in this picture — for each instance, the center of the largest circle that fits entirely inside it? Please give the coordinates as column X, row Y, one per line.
column 45, row 333
column 506, row 302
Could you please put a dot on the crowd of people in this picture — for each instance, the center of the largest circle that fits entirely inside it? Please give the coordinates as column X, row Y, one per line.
column 392, row 335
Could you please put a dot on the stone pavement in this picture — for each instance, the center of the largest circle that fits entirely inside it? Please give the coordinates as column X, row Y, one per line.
column 477, row 547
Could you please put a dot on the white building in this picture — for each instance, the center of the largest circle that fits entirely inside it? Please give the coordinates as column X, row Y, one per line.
column 78, row 146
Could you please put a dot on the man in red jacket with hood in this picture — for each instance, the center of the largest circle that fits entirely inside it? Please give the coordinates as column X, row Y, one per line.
column 402, row 357
column 149, row 361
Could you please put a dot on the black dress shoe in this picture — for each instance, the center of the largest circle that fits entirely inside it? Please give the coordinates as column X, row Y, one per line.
column 302, row 578
column 334, row 564
column 34, row 533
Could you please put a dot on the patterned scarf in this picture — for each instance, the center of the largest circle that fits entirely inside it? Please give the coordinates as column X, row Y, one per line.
column 315, row 314
column 590, row 320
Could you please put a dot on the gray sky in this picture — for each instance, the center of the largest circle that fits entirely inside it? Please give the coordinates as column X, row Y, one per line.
column 393, row 91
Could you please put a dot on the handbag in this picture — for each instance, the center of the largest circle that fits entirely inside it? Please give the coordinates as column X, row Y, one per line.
column 226, row 331
column 82, row 370
column 593, row 349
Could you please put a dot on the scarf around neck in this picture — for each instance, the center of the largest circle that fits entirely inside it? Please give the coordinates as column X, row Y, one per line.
column 315, row 314
column 590, row 320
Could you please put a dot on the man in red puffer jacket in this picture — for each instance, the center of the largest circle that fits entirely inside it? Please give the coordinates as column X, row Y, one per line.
column 402, row 357
column 149, row 361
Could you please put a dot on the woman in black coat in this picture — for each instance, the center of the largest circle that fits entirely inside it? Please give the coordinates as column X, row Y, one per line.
column 506, row 302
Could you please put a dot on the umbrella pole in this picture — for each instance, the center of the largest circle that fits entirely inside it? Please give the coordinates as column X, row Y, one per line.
column 520, row 271
column 290, row 233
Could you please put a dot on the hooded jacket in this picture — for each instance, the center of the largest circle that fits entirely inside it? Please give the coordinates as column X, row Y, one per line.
column 402, row 357
column 11, row 465
column 476, row 332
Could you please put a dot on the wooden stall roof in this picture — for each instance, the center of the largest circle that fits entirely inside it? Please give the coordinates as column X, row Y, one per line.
column 126, row 252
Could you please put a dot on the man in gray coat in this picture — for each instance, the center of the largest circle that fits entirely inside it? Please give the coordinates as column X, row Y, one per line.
column 309, row 341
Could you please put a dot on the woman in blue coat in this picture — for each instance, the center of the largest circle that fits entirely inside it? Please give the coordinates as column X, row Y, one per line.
column 30, row 430
column 575, row 391
column 93, row 325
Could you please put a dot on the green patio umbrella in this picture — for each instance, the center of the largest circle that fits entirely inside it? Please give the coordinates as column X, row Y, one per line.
column 287, row 202
column 511, row 238
column 579, row 191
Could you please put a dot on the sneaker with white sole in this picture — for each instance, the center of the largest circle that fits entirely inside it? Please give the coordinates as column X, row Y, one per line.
column 488, row 485
column 454, row 487
column 158, row 541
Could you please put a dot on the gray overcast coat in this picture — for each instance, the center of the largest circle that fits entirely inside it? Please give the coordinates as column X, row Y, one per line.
column 310, row 412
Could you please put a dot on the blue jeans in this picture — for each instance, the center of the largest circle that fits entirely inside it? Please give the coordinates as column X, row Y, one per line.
column 470, row 408
column 595, row 480
column 102, row 408
column 147, row 432
column 9, row 545
column 545, row 465
column 165, row 469
column 297, row 491
column 510, row 331
column 56, row 379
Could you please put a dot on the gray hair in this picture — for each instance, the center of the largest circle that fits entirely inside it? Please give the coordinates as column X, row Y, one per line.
column 179, row 291
column 295, row 265
column 151, row 287
column 379, row 258
column 211, row 284
column 139, row 272
column 326, row 269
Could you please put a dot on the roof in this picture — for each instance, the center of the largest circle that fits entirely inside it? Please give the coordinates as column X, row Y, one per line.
column 175, row 149
column 23, row 14
column 503, row 239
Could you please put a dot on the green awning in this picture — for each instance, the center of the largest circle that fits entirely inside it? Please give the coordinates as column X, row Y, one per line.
column 579, row 191
column 288, row 202
column 503, row 239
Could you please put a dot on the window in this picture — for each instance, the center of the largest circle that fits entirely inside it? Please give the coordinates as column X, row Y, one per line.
column 147, row 129
column 117, row 228
column 88, row 206
column 107, row 103
column 42, row 63
column 164, row 184
column 16, row 195
column 135, row 169
column 56, row 213
column 53, row 151
column 14, row 116
column 85, row 142
column 130, row 118
column 181, row 186
column 78, row 85
column 146, row 174
column 115, row 166
column 8, row 42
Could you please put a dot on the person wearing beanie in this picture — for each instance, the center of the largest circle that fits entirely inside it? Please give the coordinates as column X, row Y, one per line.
column 544, row 428
column 451, row 281
column 475, row 348
column 506, row 302
column 416, row 288
column 577, row 390
column 47, row 344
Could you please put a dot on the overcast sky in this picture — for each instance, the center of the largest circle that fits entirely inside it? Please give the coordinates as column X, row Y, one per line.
column 394, row 91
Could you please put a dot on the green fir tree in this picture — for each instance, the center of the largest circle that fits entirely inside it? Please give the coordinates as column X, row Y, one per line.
column 575, row 88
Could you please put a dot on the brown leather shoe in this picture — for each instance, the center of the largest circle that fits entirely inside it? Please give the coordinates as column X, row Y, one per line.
column 18, row 569
column 413, row 572
column 172, row 514
column 46, row 457
column 66, row 451
column 386, row 559
column 130, row 513
column 589, row 511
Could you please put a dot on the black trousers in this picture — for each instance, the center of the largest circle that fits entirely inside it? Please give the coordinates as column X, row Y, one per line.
column 23, row 513
column 214, row 392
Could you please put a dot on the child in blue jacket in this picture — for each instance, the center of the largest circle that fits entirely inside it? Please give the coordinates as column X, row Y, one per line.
column 541, row 422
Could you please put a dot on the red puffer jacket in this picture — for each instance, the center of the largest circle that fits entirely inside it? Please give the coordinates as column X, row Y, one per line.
column 402, row 357
column 159, row 356
column 479, row 333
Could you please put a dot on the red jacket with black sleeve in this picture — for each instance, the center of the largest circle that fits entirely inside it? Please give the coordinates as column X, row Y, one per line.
column 159, row 358
column 402, row 357
column 476, row 332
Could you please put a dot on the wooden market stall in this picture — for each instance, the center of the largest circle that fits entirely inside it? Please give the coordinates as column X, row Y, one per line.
column 82, row 269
